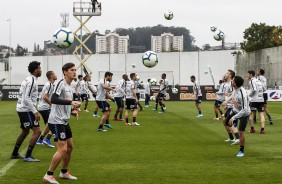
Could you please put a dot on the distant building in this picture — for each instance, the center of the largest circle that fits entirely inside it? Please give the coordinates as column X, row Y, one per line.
column 112, row 43
column 167, row 42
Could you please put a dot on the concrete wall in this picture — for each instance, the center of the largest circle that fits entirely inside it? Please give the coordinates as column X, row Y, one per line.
column 182, row 65
column 268, row 59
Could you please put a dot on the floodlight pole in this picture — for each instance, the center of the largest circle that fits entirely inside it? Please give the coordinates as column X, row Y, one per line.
column 10, row 44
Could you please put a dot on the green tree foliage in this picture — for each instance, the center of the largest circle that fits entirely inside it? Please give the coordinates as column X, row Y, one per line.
column 261, row 36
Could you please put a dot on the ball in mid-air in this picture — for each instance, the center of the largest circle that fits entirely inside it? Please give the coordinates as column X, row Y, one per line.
column 213, row 28
column 153, row 82
column 63, row 37
column 150, row 59
column 168, row 15
column 218, row 36
column 153, row 98
column 133, row 65
column 174, row 90
column 206, row 72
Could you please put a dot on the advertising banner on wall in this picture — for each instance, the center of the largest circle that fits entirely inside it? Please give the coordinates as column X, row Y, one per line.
column 11, row 92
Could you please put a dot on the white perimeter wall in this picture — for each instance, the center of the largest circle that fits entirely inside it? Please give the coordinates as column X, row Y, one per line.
column 183, row 65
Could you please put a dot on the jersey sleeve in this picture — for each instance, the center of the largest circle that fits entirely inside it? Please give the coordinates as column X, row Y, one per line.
column 30, row 87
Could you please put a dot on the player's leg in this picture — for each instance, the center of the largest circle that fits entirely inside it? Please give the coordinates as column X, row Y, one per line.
column 234, row 130
column 157, row 102
column 216, row 110
column 147, row 98
column 251, row 118
column 32, row 142
column 121, row 109
column 242, row 128
column 134, row 115
column 117, row 99
column 107, row 122
column 86, row 102
column 138, row 103
column 45, row 115
column 267, row 112
column 95, row 114
column 228, row 116
column 261, row 115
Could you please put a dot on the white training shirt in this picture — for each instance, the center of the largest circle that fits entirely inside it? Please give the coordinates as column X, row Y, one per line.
column 81, row 87
column 164, row 86
column 256, row 90
column 101, row 92
column 263, row 81
column 129, row 88
column 120, row 89
column 48, row 88
column 73, row 85
column 196, row 88
column 147, row 87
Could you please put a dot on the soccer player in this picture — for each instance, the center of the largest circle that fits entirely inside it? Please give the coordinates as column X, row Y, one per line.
column 82, row 92
column 260, row 76
column 198, row 93
column 44, row 108
column 241, row 110
column 257, row 101
column 29, row 116
column 102, row 95
column 131, row 100
column 119, row 96
column 59, row 124
column 92, row 88
column 138, row 86
column 147, row 87
column 161, row 95
column 220, row 98
column 75, row 90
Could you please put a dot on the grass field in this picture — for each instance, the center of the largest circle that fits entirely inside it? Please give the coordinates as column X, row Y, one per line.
column 175, row 147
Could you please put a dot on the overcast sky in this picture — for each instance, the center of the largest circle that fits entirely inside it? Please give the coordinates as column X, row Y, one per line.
column 36, row 20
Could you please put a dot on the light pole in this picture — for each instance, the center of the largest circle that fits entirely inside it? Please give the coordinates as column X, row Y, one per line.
column 10, row 43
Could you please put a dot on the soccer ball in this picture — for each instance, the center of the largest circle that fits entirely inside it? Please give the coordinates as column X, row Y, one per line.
column 153, row 98
column 63, row 37
column 174, row 90
column 219, row 35
column 153, row 82
column 133, row 65
column 206, row 72
column 168, row 15
column 213, row 28
column 150, row 59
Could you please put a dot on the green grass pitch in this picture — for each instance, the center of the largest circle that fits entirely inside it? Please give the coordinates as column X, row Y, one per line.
column 175, row 147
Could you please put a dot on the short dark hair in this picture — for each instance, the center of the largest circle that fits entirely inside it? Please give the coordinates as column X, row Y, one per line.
column 33, row 66
column 239, row 81
column 252, row 72
column 132, row 74
column 49, row 74
column 261, row 71
column 108, row 74
column 164, row 75
column 193, row 77
column 67, row 66
column 125, row 77
column 232, row 73
column 149, row 80
column 79, row 76
column 220, row 81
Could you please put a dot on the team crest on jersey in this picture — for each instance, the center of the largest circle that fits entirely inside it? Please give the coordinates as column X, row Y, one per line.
column 62, row 135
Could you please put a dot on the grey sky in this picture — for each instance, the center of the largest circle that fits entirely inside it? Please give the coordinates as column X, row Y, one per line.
column 36, row 20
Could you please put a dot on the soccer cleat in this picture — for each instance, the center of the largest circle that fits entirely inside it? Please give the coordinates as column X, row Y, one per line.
column 262, row 132
column 252, row 131
column 216, row 119
column 86, row 110
column 199, row 115
column 39, row 142
column 108, row 125
column 96, row 115
column 270, row 122
column 115, row 119
column 127, row 124
column 50, row 179
column 240, row 154
column 79, row 109
column 48, row 143
column 236, row 141
column 18, row 156
column 229, row 140
column 121, row 119
column 67, row 176
column 135, row 124
column 161, row 112
column 102, row 130
column 165, row 107
column 147, row 106
column 155, row 109
column 31, row 159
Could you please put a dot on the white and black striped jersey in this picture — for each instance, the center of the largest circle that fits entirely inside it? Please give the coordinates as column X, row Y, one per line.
column 120, row 89
column 263, row 80
column 256, row 90
column 241, row 106
column 229, row 90
column 60, row 114
column 220, row 93
column 197, row 88
column 147, row 87
column 48, row 88
column 164, row 86
column 130, row 87
column 28, row 95
column 81, row 87
column 101, row 92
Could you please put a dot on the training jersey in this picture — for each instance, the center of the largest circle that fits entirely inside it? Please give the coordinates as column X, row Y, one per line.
column 73, row 85
column 137, row 85
column 90, row 86
column 60, row 114
column 263, row 80
column 197, row 87
column 147, row 87
column 240, row 102
column 256, row 90
column 101, row 92
column 81, row 87
column 164, row 86
column 48, row 88
column 220, row 93
column 129, row 87
column 229, row 90
column 28, row 95
column 120, row 89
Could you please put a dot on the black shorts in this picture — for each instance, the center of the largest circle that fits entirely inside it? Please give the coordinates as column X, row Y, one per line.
column 217, row 103
column 27, row 120
column 75, row 97
column 265, row 97
column 131, row 104
column 120, row 102
column 229, row 115
column 138, row 96
column 103, row 105
column 61, row 132
column 161, row 96
column 257, row 106
column 45, row 115
column 243, row 123
column 199, row 100
column 84, row 97
column 227, row 112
